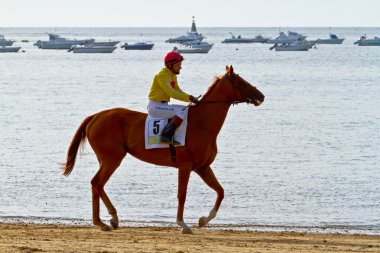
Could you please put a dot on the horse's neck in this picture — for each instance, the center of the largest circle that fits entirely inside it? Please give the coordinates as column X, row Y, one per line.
column 211, row 117
column 211, row 114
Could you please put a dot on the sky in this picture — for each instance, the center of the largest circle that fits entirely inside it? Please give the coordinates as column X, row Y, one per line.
column 178, row 13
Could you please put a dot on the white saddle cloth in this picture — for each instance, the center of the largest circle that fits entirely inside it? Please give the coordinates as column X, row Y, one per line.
column 153, row 130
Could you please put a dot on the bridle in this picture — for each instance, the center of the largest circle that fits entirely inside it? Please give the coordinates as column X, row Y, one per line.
column 239, row 86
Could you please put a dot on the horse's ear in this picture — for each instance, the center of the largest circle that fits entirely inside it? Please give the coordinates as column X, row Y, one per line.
column 227, row 69
column 231, row 69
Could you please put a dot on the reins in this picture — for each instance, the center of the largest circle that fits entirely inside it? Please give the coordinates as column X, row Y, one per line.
column 238, row 86
column 223, row 101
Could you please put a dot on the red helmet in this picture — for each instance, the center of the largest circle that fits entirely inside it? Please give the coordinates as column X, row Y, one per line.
column 173, row 58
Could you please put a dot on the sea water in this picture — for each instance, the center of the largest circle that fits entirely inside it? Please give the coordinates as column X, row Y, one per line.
column 308, row 157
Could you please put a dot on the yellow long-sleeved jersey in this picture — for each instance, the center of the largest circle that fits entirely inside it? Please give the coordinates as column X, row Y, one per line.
column 165, row 86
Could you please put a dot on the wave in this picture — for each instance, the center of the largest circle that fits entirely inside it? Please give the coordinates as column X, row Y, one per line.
column 326, row 229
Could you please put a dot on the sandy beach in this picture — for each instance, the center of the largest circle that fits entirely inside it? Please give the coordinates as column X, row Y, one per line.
column 62, row 238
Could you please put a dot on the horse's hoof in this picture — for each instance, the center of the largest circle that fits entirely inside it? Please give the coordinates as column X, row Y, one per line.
column 187, row 231
column 105, row 228
column 203, row 221
column 114, row 223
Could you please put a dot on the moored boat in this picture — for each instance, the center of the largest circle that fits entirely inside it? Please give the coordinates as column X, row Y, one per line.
column 363, row 41
column 92, row 50
column 190, row 36
column 260, row 39
column 332, row 40
column 198, row 44
column 57, row 42
column 296, row 34
column 5, row 42
column 239, row 39
column 141, row 45
column 293, row 46
column 101, row 43
column 283, row 38
column 5, row 49
column 190, row 50
column 194, row 47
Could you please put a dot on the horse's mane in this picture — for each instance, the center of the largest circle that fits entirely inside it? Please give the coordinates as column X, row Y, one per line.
column 213, row 85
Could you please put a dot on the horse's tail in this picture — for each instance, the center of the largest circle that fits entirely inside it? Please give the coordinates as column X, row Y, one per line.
column 78, row 139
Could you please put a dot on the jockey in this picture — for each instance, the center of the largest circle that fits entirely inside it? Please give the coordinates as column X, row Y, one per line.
column 164, row 87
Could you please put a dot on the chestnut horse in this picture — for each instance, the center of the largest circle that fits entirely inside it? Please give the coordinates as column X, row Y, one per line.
column 114, row 133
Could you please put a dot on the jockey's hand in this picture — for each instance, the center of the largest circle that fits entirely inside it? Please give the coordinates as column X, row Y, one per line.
column 193, row 99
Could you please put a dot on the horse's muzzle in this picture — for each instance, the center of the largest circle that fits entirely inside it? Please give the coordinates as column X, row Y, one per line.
column 257, row 102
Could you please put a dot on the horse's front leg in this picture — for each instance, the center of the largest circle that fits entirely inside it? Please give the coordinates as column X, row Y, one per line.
column 183, row 180
column 209, row 178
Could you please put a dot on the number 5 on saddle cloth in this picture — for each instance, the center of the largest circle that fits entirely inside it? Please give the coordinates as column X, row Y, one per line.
column 153, row 130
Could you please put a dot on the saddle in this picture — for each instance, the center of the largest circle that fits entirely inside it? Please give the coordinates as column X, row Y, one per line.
column 153, row 131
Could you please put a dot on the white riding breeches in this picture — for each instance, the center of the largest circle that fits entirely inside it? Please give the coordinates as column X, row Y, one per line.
column 166, row 111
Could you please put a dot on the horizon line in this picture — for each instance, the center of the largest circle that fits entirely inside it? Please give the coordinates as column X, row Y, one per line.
column 1, row 27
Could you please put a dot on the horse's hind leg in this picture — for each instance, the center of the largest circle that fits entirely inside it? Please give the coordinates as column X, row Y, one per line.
column 209, row 178
column 98, row 182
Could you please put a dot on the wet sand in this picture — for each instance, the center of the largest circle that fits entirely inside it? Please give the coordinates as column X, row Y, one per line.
column 61, row 238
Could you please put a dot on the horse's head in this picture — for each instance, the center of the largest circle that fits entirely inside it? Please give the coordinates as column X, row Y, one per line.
column 244, row 91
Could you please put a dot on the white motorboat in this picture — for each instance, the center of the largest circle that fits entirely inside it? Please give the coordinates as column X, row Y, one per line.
column 190, row 36
column 191, row 50
column 5, row 42
column 298, row 35
column 260, row 39
column 293, row 46
column 56, row 42
column 333, row 40
column 185, row 38
column 310, row 43
column 239, row 39
column 198, row 44
column 101, row 43
column 4, row 49
column 363, row 41
column 141, row 45
column 283, row 38
column 92, row 50
column 200, row 47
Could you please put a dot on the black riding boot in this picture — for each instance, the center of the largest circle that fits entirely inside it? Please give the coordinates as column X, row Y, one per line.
column 167, row 135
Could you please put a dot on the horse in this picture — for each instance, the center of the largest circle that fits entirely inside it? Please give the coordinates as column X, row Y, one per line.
column 114, row 133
